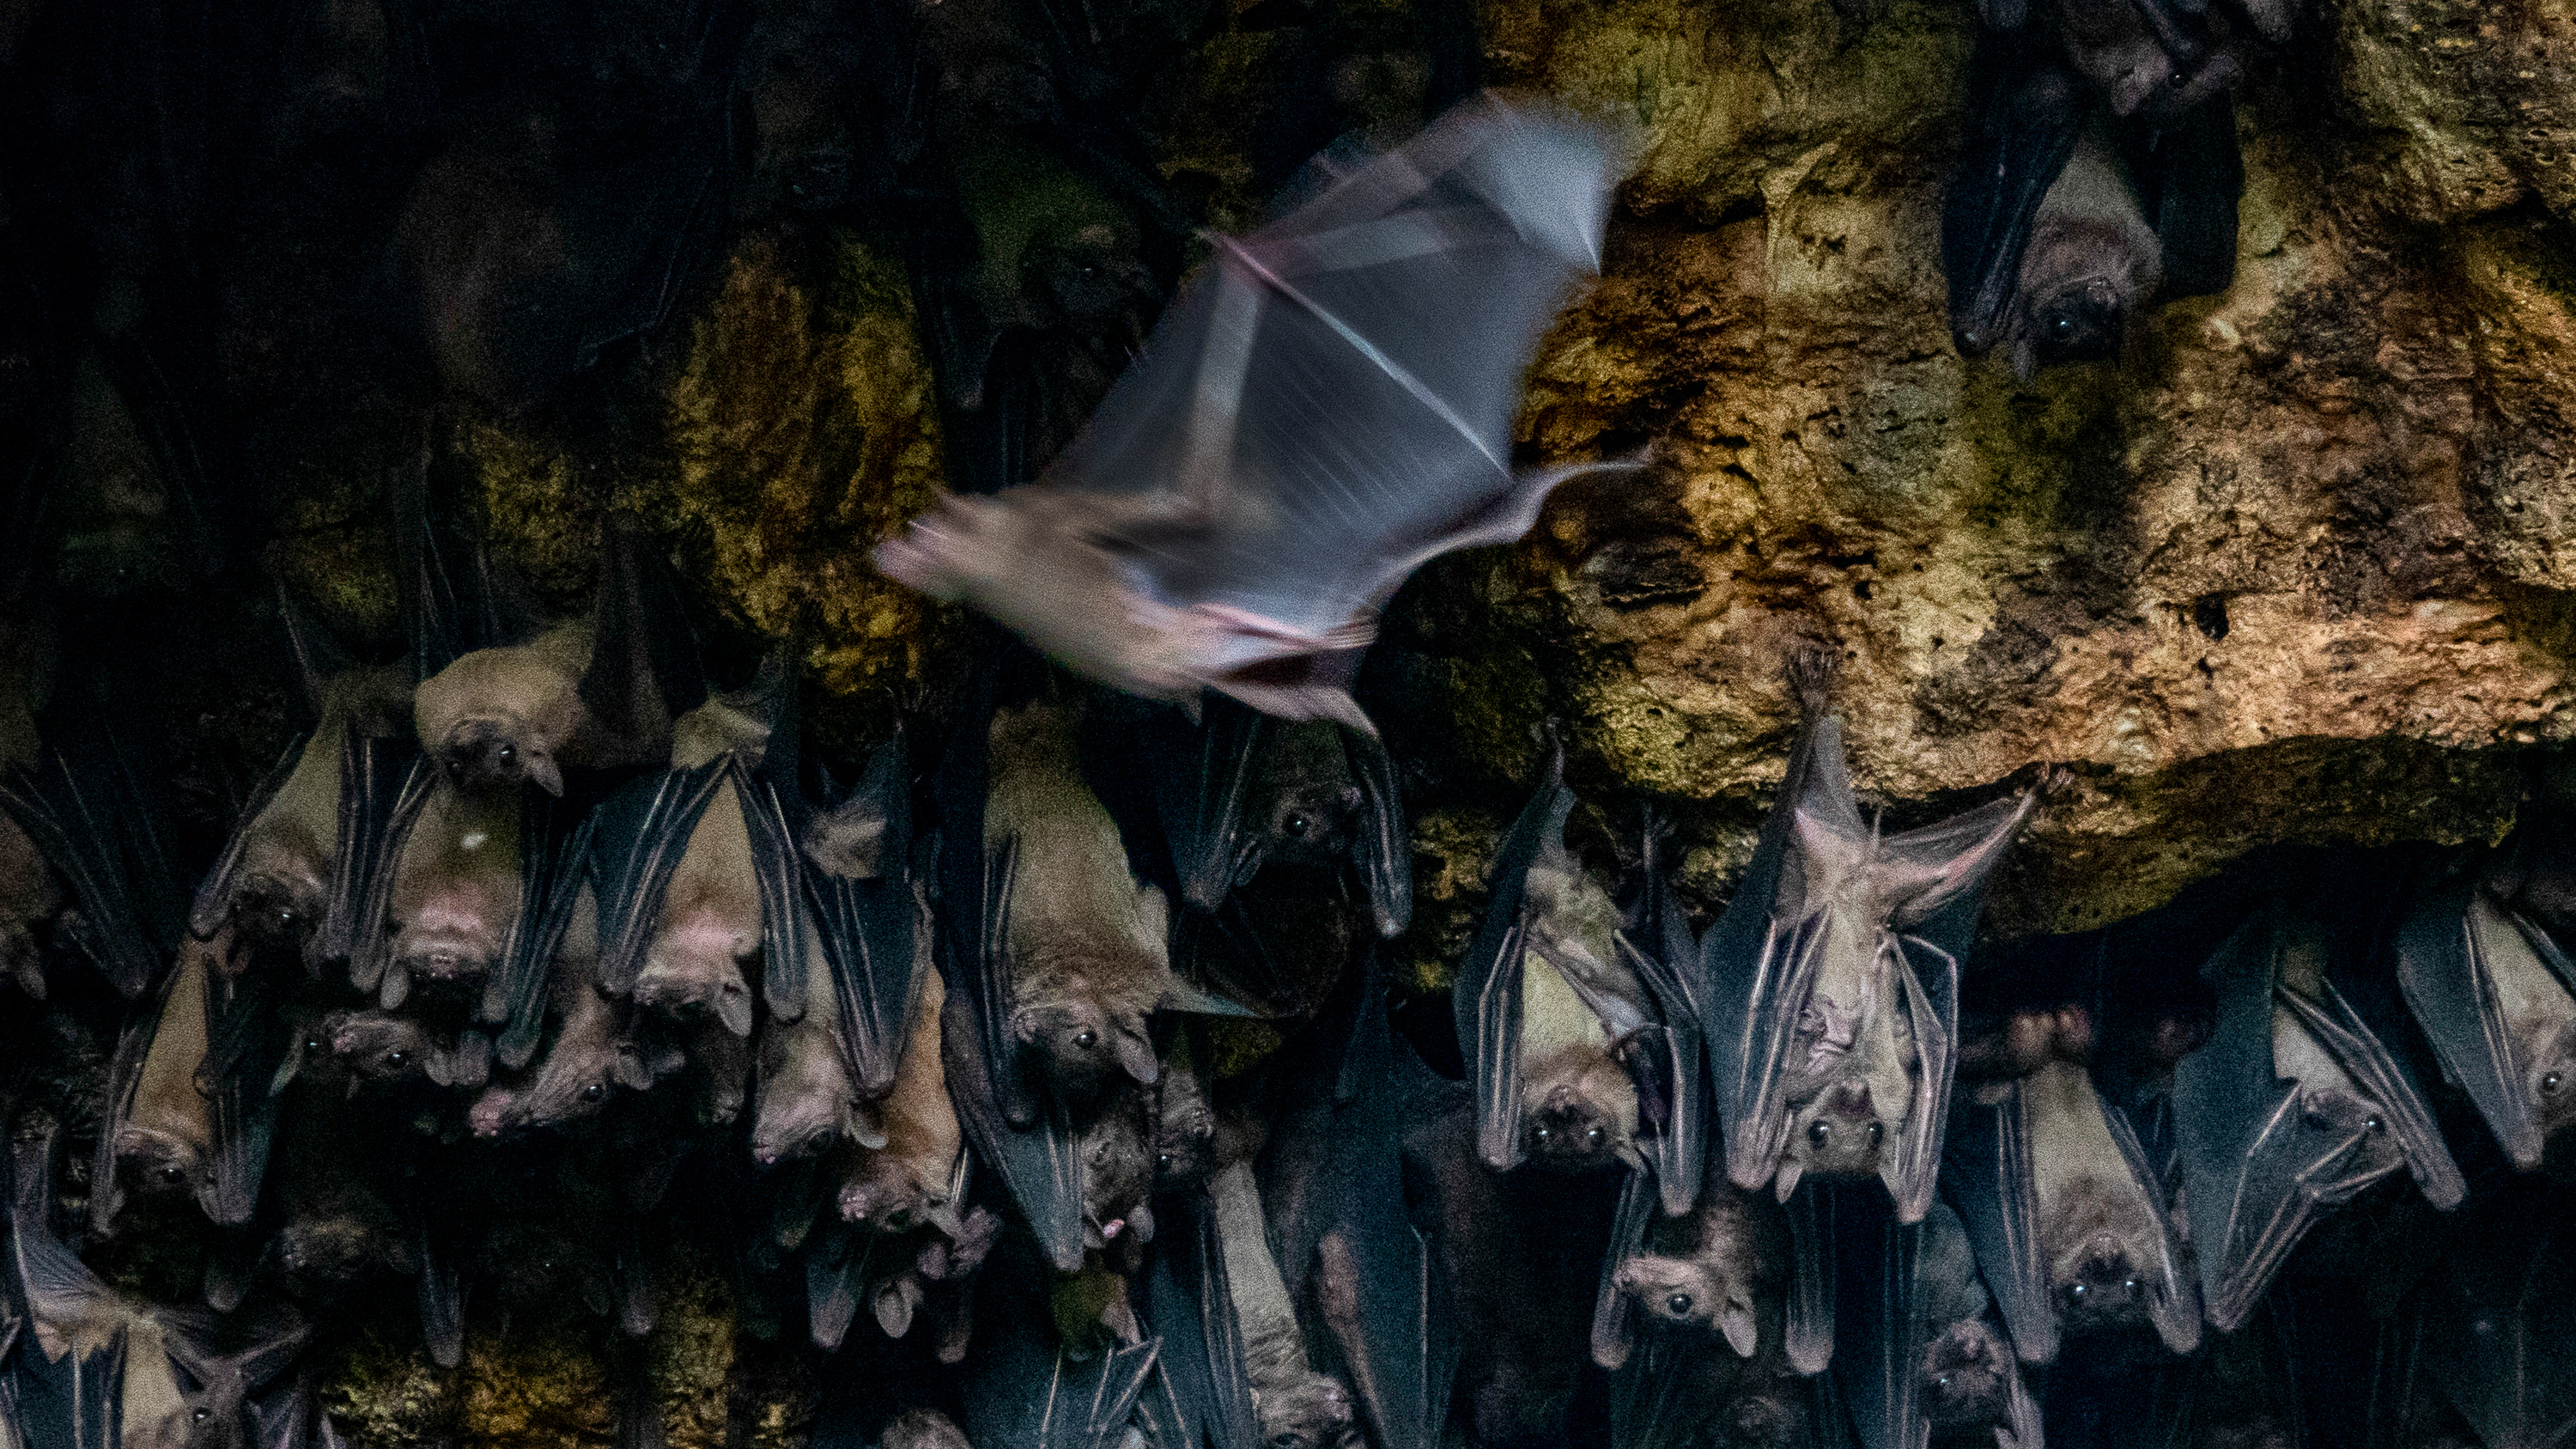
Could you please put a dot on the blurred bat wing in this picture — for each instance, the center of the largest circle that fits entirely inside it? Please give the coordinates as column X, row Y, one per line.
column 1347, row 375
column 1487, row 995
column 2445, row 954
column 1987, row 1162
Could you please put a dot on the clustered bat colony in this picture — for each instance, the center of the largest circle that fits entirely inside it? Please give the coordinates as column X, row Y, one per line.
column 1040, row 1067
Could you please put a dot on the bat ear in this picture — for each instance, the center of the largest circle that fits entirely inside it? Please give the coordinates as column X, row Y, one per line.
column 1786, row 1182
column 1735, row 1320
column 896, row 1298
column 1135, row 1053
column 544, row 772
column 628, row 1070
column 733, row 1008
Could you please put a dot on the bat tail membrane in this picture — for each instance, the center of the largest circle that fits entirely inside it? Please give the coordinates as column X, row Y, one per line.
column 2444, row 950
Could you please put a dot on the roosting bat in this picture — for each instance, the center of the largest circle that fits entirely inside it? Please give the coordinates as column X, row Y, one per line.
column 1292, row 1403
column 293, row 857
column 1024, row 1386
column 189, row 1105
column 1714, row 1269
column 2065, row 1215
column 2295, row 1106
column 1318, row 414
column 699, row 872
column 1920, row 1354
column 1304, row 794
column 100, row 1371
column 2497, row 999
column 2058, row 226
column 2495, row 1325
column 594, row 1053
column 1833, row 982
column 915, row 1172
column 866, row 898
column 1581, row 1027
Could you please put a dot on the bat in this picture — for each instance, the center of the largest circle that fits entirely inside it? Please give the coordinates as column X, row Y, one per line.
column 2497, row 1000
column 804, row 1100
column 189, row 1106
column 1184, row 1122
column 337, row 1231
column 1291, row 1403
column 1367, row 1282
column 1923, row 1356
column 1088, row 952
column 915, row 1174
column 1024, row 1386
column 1200, row 1395
column 594, row 1054
column 2294, row 1106
column 700, row 870
column 1713, row 1269
column 1580, row 1026
column 98, row 1370
column 1833, row 981
column 274, row 884
column 1309, row 795
column 1202, row 532
column 380, row 1049
column 2060, row 223
column 2065, row 1216
column 1115, row 1155
column 2151, row 59
column 597, row 692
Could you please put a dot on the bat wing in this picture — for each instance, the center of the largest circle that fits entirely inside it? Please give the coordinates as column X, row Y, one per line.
column 71, row 1400
column 1757, row 964
column 1201, row 1394
column 2258, row 1170
column 1023, row 1388
column 374, row 774
column 643, row 831
column 243, row 1050
column 377, row 851
column 441, row 1295
column 124, row 1077
column 1879, row 1314
column 644, row 669
column 1213, row 848
column 1349, row 373
column 1385, row 845
column 88, row 812
column 869, row 923
column 555, row 865
column 1487, row 994
column 1987, row 1162
column 1809, row 1324
column 2190, row 176
column 213, row 906
column 1930, row 981
column 2012, row 155
column 2173, row 1301
column 777, row 870
column 1671, row 1060
column 1614, row 1314
column 2446, row 951
column 2497, row 1330
column 1942, row 871
column 2405, row 1114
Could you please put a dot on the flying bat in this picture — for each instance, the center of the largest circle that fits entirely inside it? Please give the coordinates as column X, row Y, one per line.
column 2294, row 1107
column 2496, row 997
column 1580, row 1026
column 2065, row 1215
column 1322, row 410
column 2061, row 223
column 1833, row 983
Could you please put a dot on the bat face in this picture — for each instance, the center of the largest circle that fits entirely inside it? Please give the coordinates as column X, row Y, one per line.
column 1967, row 1375
column 1579, row 1113
column 2099, row 1237
column 1081, row 1048
column 1713, row 1297
column 1711, row 1268
column 2091, row 259
column 1307, row 1411
column 498, row 718
column 1118, row 1175
column 589, row 1064
column 378, row 1047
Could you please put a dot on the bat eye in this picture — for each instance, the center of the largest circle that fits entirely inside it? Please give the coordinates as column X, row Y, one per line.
column 1297, row 826
column 1544, row 1133
column 2134, row 1288
column 2062, row 328
column 1592, row 1136
column 1163, row 1161
column 1942, row 1382
column 313, row 1043
column 509, row 753
column 2078, row 1290
column 172, row 1177
column 1877, row 1133
column 2550, row 1082
column 2374, row 1122
column 398, row 1058
column 1818, row 1134
column 593, row 1092
column 286, row 919
column 1086, row 1039
column 201, row 1416
column 1680, row 1304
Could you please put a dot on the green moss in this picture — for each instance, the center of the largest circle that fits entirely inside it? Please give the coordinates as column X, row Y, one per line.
column 691, row 1353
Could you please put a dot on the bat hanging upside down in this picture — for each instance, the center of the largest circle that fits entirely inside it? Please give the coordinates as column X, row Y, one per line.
column 1322, row 411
